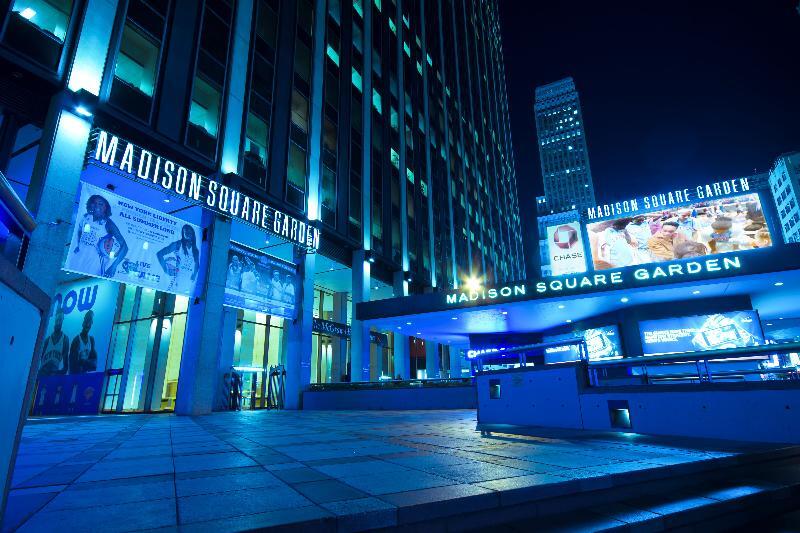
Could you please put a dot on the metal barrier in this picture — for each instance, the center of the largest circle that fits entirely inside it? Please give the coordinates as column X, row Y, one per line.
column 392, row 384
column 276, row 389
column 653, row 369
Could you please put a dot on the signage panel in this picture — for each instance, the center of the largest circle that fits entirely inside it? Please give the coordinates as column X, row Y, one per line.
column 701, row 333
column 601, row 343
column 259, row 282
column 565, row 247
column 126, row 241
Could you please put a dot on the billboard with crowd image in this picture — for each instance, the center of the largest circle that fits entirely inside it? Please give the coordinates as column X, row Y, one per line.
column 710, row 227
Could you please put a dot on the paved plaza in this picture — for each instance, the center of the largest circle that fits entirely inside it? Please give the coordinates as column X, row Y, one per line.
column 338, row 470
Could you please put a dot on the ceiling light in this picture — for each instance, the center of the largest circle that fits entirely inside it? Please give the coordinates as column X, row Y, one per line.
column 695, row 292
column 27, row 13
column 398, row 327
column 624, row 299
column 505, row 312
column 83, row 111
column 454, row 318
column 569, row 321
column 561, row 306
column 418, row 333
column 779, row 284
column 408, row 323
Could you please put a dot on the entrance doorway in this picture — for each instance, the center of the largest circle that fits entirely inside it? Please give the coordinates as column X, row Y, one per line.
column 145, row 352
column 321, row 355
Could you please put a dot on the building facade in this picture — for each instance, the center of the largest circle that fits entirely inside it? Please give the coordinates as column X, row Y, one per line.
column 784, row 182
column 297, row 156
column 563, row 153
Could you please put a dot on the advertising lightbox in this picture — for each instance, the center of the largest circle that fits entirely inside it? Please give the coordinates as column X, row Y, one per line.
column 259, row 282
column 565, row 246
column 703, row 228
column 701, row 333
column 123, row 240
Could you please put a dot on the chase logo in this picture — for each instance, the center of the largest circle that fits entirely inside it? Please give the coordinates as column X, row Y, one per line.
column 565, row 237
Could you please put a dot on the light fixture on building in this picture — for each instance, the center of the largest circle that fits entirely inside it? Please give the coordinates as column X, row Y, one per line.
column 408, row 323
column 569, row 321
column 408, row 277
column 695, row 292
column 84, row 103
column 473, row 283
column 561, row 306
column 369, row 256
column 779, row 284
column 624, row 299
column 454, row 318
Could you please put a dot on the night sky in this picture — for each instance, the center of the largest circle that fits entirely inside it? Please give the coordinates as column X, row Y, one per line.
column 673, row 93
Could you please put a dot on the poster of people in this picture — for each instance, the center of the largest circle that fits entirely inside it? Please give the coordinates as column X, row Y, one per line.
column 601, row 343
column 720, row 331
column 79, row 328
column 259, row 282
column 705, row 228
column 126, row 241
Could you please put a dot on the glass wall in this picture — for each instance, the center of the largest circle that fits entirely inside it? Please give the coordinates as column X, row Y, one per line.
column 258, row 345
column 38, row 29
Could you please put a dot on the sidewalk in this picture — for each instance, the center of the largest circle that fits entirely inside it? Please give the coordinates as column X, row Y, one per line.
column 332, row 469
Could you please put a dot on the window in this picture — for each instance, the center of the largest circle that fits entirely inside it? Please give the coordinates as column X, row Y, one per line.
column 328, row 199
column 38, row 29
column 296, row 176
column 135, row 72
column 204, row 114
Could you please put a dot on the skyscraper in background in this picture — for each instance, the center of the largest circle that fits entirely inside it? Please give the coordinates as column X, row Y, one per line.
column 564, row 159
column 562, row 149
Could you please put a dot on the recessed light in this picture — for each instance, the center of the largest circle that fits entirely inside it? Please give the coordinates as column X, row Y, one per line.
column 454, row 318
column 408, row 323
column 569, row 321
column 624, row 299
column 561, row 306
column 695, row 292
column 781, row 318
column 505, row 312
column 779, row 284
column 166, row 200
column 398, row 327
column 418, row 333
column 769, row 323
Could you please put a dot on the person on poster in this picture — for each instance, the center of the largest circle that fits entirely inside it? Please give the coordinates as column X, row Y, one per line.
column 82, row 352
column 101, row 247
column 249, row 277
column 687, row 226
column 180, row 260
column 288, row 289
column 662, row 244
column 276, row 287
column 620, row 245
column 234, row 278
column 55, row 353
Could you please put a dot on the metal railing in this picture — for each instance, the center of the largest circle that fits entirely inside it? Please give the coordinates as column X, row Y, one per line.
column 392, row 384
column 698, row 367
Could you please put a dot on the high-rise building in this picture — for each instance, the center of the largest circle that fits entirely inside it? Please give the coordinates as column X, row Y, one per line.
column 784, row 181
column 562, row 149
column 242, row 173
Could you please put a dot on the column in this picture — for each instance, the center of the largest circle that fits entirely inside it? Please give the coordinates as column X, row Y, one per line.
column 226, row 355
column 401, row 355
column 432, row 359
column 339, row 348
column 298, row 334
column 199, row 380
column 359, row 332
column 455, row 362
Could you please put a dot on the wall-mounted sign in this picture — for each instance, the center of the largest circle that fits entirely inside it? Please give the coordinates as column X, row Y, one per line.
column 593, row 282
column 140, row 164
column 259, row 282
column 337, row 329
column 126, row 241
column 670, row 199
column 565, row 247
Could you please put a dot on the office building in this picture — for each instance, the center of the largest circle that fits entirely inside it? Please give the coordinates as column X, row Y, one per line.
column 217, row 184
column 784, row 182
column 563, row 154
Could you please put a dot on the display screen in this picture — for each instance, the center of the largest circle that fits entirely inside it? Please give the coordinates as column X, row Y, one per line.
column 601, row 343
column 126, row 241
column 259, row 282
column 700, row 333
column 703, row 228
column 565, row 246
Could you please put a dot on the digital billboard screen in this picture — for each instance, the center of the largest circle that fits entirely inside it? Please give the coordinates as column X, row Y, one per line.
column 261, row 283
column 565, row 246
column 703, row 228
column 601, row 343
column 700, row 333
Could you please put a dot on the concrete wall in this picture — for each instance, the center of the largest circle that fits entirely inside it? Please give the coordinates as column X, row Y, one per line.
column 392, row 399
column 557, row 397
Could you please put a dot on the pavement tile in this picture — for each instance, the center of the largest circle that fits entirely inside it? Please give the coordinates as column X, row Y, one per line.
column 312, row 518
column 299, row 475
column 20, row 506
column 362, row 468
column 398, row 481
column 435, row 502
column 207, row 507
column 214, row 484
column 112, row 518
column 211, row 461
column 363, row 514
column 328, row 490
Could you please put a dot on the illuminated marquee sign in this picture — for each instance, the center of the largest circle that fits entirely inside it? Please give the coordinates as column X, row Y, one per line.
column 670, row 199
column 649, row 274
column 140, row 164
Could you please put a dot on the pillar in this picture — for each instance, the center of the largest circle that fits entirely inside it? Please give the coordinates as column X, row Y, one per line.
column 299, row 331
column 339, row 348
column 455, row 361
column 401, row 354
column 359, row 332
column 199, row 380
column 432, row 359
column 226, row 355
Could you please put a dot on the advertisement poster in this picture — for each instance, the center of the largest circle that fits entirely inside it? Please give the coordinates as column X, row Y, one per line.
column 77, row 394
column 703, row 228
column 565, row 246
column 126, row 241
column 259, row 282
column 79, row 329
column 601, row 343
column 701, row 333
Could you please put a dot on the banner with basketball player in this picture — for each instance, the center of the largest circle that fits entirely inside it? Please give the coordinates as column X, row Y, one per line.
column 123, row 240
column 565, row 246
column 259, row 282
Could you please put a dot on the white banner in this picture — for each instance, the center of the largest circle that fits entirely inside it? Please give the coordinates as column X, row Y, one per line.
column 129, row 242
column 565, row 246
